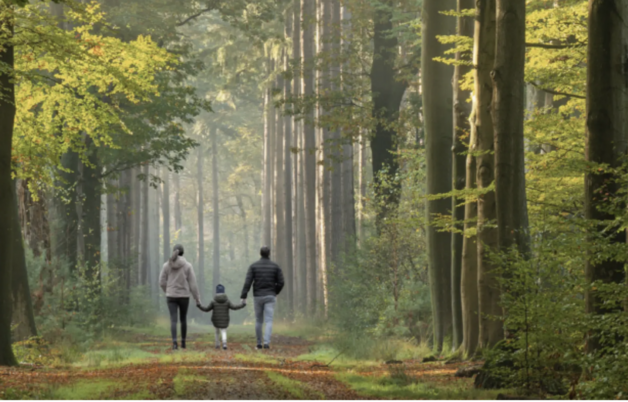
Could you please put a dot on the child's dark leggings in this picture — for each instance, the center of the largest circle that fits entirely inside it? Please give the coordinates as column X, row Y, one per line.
column 176, row 304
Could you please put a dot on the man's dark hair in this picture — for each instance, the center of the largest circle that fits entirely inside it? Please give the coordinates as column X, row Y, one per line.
column 265, row 252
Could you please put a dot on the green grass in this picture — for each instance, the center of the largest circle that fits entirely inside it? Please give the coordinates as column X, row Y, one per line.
column 296, row 388
column 85, row 389
column 391, row 388
column 115, row 356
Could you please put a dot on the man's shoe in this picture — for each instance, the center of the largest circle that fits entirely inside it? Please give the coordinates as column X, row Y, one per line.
column 266, row 346
column 175, row 346
column 224, row 347
column 182, row 344
column 259, row 346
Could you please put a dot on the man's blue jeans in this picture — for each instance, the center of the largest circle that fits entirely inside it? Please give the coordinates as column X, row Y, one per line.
column 264, row 310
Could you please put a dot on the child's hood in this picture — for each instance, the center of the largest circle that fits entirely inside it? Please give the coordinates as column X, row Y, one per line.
column 221, row 298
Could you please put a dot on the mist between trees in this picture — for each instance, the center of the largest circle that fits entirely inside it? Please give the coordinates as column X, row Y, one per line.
column 447, row 173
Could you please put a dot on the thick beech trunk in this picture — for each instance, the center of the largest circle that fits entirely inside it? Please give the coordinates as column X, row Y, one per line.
column 23, row 316
column 605, row 142
column 461, row 130
column 491, row 330
column 508, row 115
column 438, row 112
column 7, row 199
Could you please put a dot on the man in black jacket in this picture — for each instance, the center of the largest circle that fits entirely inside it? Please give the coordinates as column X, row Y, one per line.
column 267, row 280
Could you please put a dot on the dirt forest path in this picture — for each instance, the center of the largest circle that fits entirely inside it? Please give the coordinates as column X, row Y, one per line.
column 202, row 372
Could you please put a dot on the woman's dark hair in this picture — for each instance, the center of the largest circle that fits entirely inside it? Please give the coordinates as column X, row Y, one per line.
column 177, row 250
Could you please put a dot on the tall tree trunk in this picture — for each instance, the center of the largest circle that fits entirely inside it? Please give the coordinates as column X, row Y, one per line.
column 155, row 247
column 308, row 10
column 462, row 128
column 362, row 162
column 136, row 238
column 469, row 272
column 508, row 114
column 7, row 195
column 245, row 227
column 438, row 112
column 215, row 209
column 166, row 214
column 491, row 330
column 90, row 220
column 605, row 143
column 387, row 92
column 144, row 257
column 299, row 266
column 178, row 220
column 124, row 224
column 267, row 172
column 111, row 229
column 65, row 237
column 200, row 221
column 280, row 247
column 287, row 178
column 23, row 315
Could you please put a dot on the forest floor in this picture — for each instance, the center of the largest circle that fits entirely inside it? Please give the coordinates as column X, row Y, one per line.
column 139, row 364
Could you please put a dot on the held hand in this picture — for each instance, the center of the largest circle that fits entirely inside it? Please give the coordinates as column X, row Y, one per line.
column 243, row 301
column 198, row 305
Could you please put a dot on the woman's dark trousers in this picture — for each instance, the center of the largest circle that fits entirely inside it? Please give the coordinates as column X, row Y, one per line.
column 178, row 305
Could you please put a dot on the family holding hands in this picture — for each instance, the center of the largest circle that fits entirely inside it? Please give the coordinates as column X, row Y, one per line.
column 178, row 281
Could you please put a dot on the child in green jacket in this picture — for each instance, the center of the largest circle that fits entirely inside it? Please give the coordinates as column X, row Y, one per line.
column 220, row 317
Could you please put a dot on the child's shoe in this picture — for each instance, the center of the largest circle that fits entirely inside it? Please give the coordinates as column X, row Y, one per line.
column 266, row 346
column 224, row 347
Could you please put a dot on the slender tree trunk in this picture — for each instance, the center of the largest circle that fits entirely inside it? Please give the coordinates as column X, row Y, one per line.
column 299, row 267
column 200, row 220
column 111, row 229
column 362, row 161
column 308, row 8
column 166, row 214
column 438, row 112
column 144, row 257
column 92, row 190
column 7, row 197
column 287, row 178
column 155, row 247
column 215, row 209
column 267, row 173
column 491, row 330
column 124, row 224
column 280, row 249
column 462, row 128
column 178, row 220
column 136, row 234
column 605, row 144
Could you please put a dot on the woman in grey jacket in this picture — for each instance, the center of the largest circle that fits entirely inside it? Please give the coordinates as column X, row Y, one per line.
column 177, row 279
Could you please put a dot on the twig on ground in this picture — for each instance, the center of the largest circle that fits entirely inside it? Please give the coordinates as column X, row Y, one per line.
column 328, row 364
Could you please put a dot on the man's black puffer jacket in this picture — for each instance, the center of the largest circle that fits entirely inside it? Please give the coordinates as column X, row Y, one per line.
column 266, row 278
column 221, row 306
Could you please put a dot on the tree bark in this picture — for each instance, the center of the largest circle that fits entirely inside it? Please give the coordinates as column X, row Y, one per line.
column 111, row 228
column 165, row 210
column 491, row 330
column 23, row 315
column 215, row 209
column 462, row 128
column 90, row 219
column 309, row 19
column 7, row 197
column 605, row 143
column 200, row 219
column 287, row 178
column 178, row 219
column 267, row 173
column 144, row 257
column 136, row 242
column 508, row 114
column 438, row 112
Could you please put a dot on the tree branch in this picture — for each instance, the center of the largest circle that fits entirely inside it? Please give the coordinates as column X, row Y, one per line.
column 549, row 46
column 193, row 16
column 551, row 91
